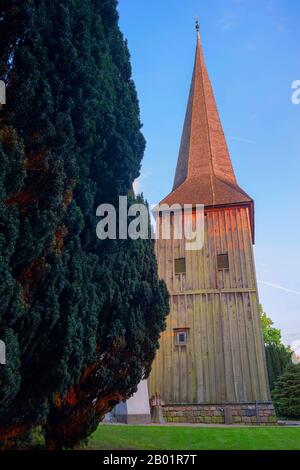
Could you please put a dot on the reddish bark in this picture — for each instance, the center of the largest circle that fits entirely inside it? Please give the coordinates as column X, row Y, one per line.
column 59, row 236
column 11, row 436
column 30, row 279
column 74, row 417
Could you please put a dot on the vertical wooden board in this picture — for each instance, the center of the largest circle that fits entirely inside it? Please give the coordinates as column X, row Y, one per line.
column 162, row 264
column 170, row 379
column 220, row 357
column 182, row 352
column 247, row 317
column 187, row 366
column 233, row 268
column 242, row 249
column 202, row 345
column 248, row 253
column 230, row 355
column 211, row 265
column 222, row 280
column 206, row 260
column 234, row 254
column 242, row 371
column 211, row 348
column 201, row 264
column 162, row 362
column 191, row 369
column 196, row 270
column 228, row 278
column 204, row 336
column 195, row 281
column 175, row 255
column 172, row 254
column 197, row 344
column 239, row 251
column 175, row 363
column 247, row 366
column 190, row 379
column 237, row 341
column 214, row 239
column 177, row 248
column 169, row 266
column 188, row 285
column 217, row 249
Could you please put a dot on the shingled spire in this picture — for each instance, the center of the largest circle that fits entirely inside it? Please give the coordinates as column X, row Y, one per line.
column 204, row 173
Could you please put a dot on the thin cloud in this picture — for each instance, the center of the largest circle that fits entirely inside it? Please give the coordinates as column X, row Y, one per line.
column 227, row 22
column 241, row 139
column 276, row 286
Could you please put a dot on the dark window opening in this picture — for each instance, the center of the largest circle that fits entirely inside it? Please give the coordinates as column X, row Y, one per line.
column 180, row 266
column 223, row 262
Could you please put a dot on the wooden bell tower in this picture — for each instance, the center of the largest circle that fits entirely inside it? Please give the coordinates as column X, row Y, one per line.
column 211, row 363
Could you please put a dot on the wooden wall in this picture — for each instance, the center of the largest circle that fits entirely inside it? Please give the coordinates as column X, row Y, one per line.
column 224, row 360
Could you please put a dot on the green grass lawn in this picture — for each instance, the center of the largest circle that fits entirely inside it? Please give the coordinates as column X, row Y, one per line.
column 109, row 437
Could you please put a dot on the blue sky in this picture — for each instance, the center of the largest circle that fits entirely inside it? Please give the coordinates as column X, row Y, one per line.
column 252, row 51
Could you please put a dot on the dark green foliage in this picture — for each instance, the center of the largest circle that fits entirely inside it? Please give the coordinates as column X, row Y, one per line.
column 278, row 357
column 131, row 322
column 70, row 140
column 11, row 306
column 286, row 394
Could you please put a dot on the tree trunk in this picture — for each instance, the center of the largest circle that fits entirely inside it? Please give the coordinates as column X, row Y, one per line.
column 12, row 437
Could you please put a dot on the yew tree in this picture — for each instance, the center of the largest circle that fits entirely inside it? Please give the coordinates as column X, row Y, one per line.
column 81, row 317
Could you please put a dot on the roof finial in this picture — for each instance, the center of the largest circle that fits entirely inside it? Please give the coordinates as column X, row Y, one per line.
column 197, row 25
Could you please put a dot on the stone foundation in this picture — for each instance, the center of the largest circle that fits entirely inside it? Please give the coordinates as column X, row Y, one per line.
column 260, row 413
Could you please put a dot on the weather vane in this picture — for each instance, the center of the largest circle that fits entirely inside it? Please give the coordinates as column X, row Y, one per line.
column 197, row 25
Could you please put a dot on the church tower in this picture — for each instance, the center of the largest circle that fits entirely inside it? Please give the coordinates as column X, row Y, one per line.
column 211, row 363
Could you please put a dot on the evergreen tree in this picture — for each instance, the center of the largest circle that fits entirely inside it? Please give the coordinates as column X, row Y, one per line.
column 286, row 394
column 76, row 313
column 278, row 357
column 131, row 323
column 11, row 306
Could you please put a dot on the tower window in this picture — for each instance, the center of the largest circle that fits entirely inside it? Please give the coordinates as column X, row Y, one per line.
column 181, row 337
column 223, row 262
column 180, row 266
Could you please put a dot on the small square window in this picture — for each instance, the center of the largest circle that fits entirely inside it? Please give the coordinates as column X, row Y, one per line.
column 180, row 266
column 181, row 337
column 223, row 262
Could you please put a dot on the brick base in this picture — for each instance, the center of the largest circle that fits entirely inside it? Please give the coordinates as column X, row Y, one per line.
column 230, row 413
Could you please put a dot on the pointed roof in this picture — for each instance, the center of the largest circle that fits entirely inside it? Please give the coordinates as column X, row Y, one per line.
column 204, row 173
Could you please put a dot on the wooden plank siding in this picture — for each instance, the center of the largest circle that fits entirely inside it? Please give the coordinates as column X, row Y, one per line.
column 224, row 359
